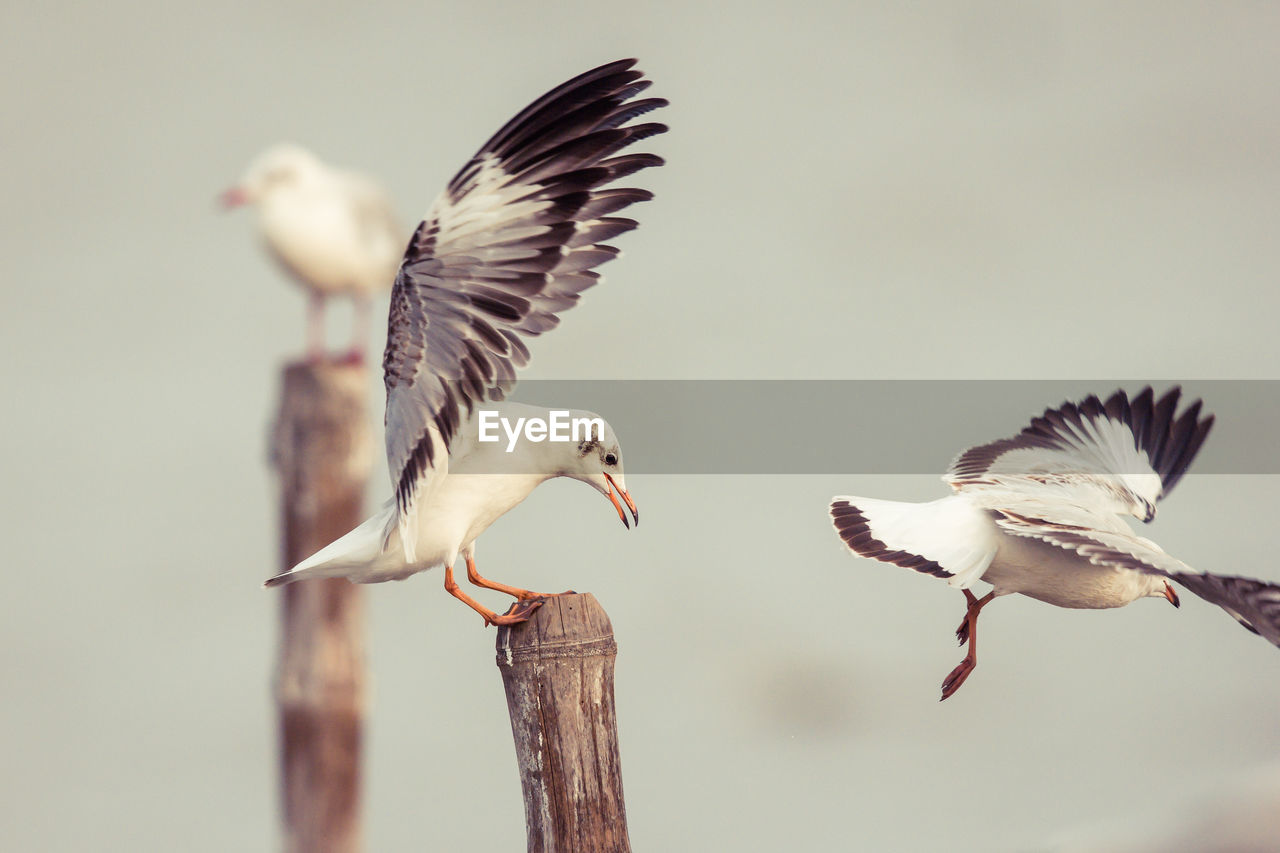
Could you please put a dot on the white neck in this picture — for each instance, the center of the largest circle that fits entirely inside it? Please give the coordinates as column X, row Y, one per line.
column 542, row 460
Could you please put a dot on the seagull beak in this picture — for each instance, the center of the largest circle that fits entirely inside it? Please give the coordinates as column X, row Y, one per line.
column 631, row 505
column 233, row 197
column 1171, row 595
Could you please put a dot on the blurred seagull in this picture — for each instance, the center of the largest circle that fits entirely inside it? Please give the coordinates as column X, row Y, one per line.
column 1040, row 514
column 334, row 231
column 507, row 247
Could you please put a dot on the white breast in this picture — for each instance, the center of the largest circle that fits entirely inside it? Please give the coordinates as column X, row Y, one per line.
column 461, row 509
column 316, row 236
column 1063, row 578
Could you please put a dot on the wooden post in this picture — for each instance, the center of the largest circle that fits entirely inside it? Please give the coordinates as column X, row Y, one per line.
column 557, row 669
column 322, row 450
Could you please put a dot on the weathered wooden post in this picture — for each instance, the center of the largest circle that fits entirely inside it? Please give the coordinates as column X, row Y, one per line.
column 322, row 450
column 557, row 669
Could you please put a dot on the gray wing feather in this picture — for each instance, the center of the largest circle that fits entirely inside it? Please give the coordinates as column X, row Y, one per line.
column 1253, row 603
column 1097, row 450
column 509, row 245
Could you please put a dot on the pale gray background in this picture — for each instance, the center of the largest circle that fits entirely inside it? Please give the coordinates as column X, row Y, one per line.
column 959, row 190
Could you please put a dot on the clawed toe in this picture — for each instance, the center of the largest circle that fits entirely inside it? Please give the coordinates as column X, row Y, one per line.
column 522, row 610
column 957, row 677
column 518, row 612
column 962, row 633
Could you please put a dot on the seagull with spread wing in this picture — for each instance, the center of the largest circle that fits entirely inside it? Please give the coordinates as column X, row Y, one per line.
column 1041, row 514
column 335, row 232
column 508, row 245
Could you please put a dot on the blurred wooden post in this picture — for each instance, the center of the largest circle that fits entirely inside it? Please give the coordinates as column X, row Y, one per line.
column 322, row 451
column 557, row 669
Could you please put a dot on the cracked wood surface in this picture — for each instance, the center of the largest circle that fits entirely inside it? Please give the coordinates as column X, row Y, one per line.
column 557, row 670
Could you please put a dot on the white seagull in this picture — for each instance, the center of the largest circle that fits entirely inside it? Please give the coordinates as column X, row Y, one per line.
column 506, row 247
column 1040, row 514
column 334, row 231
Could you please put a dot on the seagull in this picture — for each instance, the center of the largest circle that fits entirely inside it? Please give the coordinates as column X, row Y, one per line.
column 508, row 245
column 334, row 231
column 1041, row 514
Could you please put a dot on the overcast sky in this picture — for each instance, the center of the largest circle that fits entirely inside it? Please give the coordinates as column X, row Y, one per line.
column 968, row 190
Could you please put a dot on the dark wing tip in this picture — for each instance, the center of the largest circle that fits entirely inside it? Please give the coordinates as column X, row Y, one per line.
column 1174, row 441
column 594, row 100
column 1253, row 603
column 646, row 130
column 1171, row 439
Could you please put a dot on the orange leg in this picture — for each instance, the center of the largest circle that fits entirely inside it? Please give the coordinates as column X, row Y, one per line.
column 517, row 592
column 475, row 578
column 359, row 332
column 315, row 328
column 517, row 614
column 967, row 632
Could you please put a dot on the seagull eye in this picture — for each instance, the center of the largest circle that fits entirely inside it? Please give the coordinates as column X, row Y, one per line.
column 610, row 459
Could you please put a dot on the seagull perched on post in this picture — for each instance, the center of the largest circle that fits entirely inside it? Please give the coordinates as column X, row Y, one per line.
column 508, row 245
column 334, row 231
column 1041, row 514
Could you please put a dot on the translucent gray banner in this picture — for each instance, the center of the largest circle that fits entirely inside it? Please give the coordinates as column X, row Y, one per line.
column 876, row 426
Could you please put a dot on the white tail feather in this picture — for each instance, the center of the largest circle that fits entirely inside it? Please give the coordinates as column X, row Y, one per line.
column 408, row 524
column 956, row 539
column 357, row 550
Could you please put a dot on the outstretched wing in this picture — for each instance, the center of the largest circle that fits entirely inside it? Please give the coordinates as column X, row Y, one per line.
column 1254, row 604
column 508, row 245
column 1121, row 456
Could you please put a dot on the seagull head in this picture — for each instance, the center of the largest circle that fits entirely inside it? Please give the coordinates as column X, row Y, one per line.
column 279, row 167
column 1157, row 587
column 597, row 462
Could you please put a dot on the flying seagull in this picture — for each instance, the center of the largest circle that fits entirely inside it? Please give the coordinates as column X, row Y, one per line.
column 335, row 232
column 1040, row 514
column 508, row 245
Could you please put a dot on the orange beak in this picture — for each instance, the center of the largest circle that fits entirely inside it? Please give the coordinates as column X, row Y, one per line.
column 1171, row 595
column 631, row 505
